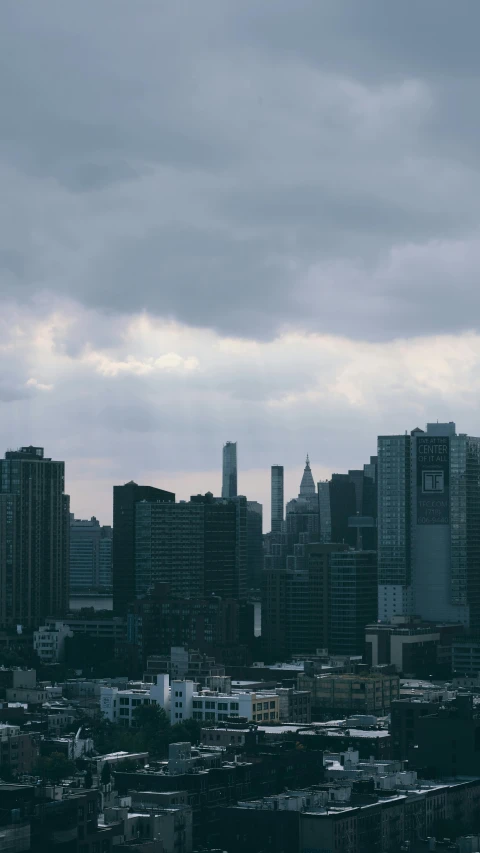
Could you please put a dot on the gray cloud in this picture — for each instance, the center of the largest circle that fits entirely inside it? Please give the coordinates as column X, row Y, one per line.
column 244, row 166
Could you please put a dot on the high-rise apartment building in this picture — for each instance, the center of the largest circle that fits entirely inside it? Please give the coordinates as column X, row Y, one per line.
column 34, row 538
column 90, row 555
column 197, row 548
column 170, row 547
column 229, row 470
column 225, row 545
column 125, row 500
column 353, row 589
column 277, row 498
column 429, row 525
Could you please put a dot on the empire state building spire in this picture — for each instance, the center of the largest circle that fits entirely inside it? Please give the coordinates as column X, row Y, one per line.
column 307, row 486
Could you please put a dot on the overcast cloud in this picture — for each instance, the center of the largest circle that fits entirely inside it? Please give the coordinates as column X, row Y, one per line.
column 254, row 220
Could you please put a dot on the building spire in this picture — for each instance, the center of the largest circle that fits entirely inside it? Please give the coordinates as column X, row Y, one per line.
column 307, row 486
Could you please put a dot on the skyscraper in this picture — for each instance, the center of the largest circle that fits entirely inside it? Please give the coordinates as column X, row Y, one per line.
column 125, row 499
column 254, row 544
column 348, row 507
column 34, row 544
column 277, row 498
column 307, row 485
column 90, row 555
column 229, row 470
column 197, row 548
column 303, row 512
column 429, row 525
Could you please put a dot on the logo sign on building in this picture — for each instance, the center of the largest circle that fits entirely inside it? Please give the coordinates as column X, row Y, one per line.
column 433, row 469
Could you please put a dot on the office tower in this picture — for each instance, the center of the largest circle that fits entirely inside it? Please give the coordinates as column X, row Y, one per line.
column 348, row 508
column 229, row 471
column 125, row 499
column 296, row 600
column 277, row 498
column 198, row 548
column 90, row 555
column 254, row 544
column 34, row 549
column 429, row 525
column 353, row 600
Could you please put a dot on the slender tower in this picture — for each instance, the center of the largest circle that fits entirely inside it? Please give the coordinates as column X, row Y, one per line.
column 229, row 473
column 277, row 498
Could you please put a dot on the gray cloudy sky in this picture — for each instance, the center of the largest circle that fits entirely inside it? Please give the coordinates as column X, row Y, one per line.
column 235, row 219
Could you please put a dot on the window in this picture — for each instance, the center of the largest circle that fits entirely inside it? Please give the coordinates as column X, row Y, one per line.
column 272, row 704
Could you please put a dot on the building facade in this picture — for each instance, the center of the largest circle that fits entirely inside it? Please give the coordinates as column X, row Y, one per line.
column 429, row 525
column 49, row 642
column 352, row 600
column 34, row 538
column 322, row 596
column 229, row 470
column 125, row 500
column 198, row 548
column 161, row 620
column 90, row 555
column 351, row 693
column 182, row 701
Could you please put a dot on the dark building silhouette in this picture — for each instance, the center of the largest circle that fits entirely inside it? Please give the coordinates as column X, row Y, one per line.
column 254, row 544
column 212, row 625
column 34, row 538
column 125, row 499
column 447, row 741
column 348, row 507
column 277, row 498
column 352, row 600
column 224, row 544
column 296, row 601
column 170, row 547
column 198, row 548
column 229, row 470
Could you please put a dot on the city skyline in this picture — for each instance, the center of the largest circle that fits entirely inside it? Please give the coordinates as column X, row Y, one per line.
column 171, row 278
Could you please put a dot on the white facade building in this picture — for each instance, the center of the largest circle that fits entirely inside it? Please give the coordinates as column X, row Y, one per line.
column 49, row 641
column 182, row 701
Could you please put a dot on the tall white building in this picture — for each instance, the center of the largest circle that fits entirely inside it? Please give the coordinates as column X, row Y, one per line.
column 429, row 525
column 229, row 470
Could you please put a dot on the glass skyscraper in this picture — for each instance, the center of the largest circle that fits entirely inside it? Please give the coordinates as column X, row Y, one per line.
column 429, row 525
column 229, row 470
